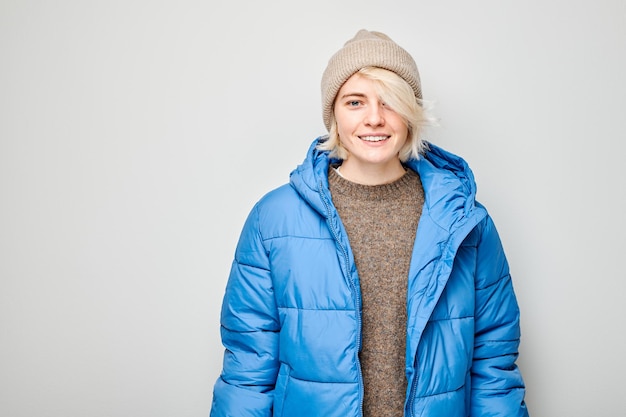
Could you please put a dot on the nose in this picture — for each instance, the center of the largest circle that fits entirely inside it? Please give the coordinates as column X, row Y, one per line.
column 374, row 115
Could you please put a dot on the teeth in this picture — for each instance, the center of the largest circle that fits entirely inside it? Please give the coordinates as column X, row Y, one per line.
column 373, row 138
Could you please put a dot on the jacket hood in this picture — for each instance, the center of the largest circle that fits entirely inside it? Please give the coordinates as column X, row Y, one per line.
column 448, row 181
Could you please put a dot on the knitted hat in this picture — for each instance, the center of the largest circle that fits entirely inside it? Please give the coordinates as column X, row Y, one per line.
column 366, row 49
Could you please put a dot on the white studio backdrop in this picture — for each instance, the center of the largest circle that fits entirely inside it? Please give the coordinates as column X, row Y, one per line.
column 136, row 135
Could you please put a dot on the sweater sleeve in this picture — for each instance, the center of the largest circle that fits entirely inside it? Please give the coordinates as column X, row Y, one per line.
column 249, row 331
column 497, row 385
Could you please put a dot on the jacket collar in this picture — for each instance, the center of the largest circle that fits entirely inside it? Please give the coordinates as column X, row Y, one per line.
column 448, row 182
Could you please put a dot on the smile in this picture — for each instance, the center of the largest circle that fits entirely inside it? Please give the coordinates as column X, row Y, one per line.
column 373, row 138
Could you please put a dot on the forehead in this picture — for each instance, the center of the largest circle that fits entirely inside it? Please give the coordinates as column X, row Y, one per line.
column 356, row 84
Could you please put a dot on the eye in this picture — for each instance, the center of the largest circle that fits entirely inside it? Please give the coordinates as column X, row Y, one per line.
column 353, row 103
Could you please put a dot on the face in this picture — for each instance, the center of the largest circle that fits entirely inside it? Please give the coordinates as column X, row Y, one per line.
column 370, row 131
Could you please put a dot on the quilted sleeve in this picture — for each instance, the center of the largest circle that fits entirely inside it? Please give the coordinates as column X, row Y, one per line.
column 249, row 331
column 497, row 385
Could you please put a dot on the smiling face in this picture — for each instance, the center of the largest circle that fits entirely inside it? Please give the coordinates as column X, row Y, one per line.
column 370, row 131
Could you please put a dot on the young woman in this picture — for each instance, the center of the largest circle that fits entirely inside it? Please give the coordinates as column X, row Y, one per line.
column 373, row 284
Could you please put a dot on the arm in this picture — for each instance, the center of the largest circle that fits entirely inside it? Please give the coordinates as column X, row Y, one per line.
column 249, row 330
column 497, row 386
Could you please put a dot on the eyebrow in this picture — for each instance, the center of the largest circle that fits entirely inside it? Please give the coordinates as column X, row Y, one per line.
column 352, row 95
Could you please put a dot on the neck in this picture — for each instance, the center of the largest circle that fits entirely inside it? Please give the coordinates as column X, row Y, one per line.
column 373, row 174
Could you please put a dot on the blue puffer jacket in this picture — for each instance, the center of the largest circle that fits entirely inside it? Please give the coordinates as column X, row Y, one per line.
column 291, row 321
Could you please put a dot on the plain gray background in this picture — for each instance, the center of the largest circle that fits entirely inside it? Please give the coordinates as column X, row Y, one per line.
column 136, row 135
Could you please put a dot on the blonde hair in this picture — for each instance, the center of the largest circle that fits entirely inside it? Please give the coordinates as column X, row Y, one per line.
column 398, row 94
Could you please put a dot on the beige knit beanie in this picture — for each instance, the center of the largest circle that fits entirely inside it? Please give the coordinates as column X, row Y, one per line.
column 366, row 49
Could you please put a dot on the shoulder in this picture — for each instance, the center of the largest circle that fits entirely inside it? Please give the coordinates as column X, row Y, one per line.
column 283, row 212
column 280, row 199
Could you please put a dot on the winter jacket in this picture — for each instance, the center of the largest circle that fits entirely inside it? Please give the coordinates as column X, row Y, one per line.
column 291, row 321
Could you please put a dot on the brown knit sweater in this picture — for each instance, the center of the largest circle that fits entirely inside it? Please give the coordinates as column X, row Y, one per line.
column 381, row 222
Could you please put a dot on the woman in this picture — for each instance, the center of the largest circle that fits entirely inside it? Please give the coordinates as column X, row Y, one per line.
column 373, row 284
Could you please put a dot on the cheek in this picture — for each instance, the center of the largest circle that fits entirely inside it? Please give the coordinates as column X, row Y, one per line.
column 402, row 129
column 344, row 129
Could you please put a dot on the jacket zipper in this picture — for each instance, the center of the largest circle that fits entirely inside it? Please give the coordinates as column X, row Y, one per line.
column 357, row 298
column 413, row 388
